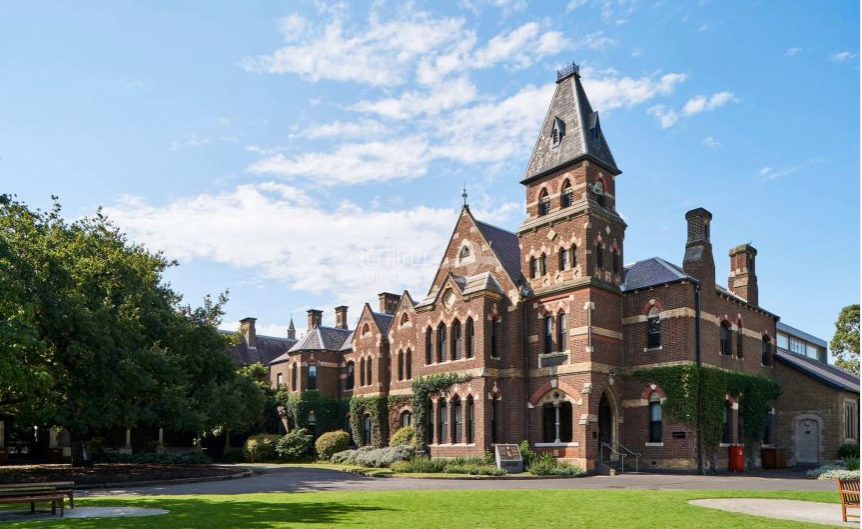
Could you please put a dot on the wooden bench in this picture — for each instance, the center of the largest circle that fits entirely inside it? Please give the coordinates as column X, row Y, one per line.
column 55, row 499
column 848, row 489
column 60, row 487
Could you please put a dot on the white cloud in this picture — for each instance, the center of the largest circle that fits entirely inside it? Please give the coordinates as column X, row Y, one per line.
column 575, row 4
column 666, row 115
column 597, row 41
column 700, row 103
column 842, row 56
column 281, row 233
column 792, row 52
column 447, row 95
column 338, row 129
column 352, row 163
column 608, row 90
column 292, row 27
column 191, row 140
column 770, row 173
column 711, row 142
column 636, row 52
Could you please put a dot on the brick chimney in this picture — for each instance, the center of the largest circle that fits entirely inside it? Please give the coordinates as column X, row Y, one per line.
column 314, row 318
column 341, row 317
column 698, row 261
column 388, row 302
column 743, row 280
column 246, row 327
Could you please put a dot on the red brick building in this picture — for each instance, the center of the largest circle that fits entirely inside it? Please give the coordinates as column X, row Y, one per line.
column 548, row 321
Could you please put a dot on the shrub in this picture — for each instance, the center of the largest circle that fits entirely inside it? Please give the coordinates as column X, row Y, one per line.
column 422, row 465
column 851, row 462
column 405, row 437
column 475, row 470
column 490, row 458
column 371, row 457
column 295, row 446
column 261, row 448
column 566, row 469
column 153, row 458
column 839, row 473
column 527, row 454
column 331, row 443
column 849, row 449
column 543, row 465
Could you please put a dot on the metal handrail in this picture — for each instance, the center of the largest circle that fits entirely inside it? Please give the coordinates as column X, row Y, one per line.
column 636, row 455
column 622, row 456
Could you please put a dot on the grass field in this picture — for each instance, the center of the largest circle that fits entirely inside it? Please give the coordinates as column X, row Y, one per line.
column 547, row 509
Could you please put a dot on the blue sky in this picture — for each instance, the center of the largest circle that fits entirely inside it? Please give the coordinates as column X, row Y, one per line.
column 307, row 155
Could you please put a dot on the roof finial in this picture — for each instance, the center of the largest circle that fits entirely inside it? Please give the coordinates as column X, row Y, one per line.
column 464, row 195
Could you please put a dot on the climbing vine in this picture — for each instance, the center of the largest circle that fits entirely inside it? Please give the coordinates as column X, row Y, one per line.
column 680, row 383
column 423, row 388
column 377, row 407
column 299, row 407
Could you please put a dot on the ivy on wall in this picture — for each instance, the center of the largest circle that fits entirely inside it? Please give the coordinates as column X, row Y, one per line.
column 377, row 407
column 298, row 407
column 755, row 393
column 423, row 388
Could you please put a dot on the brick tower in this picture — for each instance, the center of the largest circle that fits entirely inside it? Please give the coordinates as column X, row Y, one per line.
column 572, row 258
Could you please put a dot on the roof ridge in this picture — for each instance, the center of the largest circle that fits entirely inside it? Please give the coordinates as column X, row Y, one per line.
column 495, row 227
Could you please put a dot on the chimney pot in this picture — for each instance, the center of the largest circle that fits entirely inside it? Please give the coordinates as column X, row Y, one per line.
column 315, row 317
column 743, row 279
column 388, row 302
column 341, row 317
column 249, row 335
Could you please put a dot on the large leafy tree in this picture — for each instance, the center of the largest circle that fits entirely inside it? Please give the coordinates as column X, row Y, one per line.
column 845, row 342
column 94, row 338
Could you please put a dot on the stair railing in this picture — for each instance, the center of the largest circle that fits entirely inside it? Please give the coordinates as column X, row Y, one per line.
column 636, row 455
column 610, row 448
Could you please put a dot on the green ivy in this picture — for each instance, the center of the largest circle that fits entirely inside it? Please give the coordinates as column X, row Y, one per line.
column 298, row 406
column 755, row 393
column 377, row 406
column 423, row 388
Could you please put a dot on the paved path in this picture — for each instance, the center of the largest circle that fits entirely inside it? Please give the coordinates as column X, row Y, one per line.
column 801, row 511
column 275, row 478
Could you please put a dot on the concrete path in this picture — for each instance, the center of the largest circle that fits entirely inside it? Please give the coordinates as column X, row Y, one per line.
column 274, row 478
column 80, row 512
column 800, row 511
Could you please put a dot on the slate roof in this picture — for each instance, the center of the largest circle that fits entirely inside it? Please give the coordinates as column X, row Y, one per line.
column 651, row 272
column 505, row 245
column 480, row 282
column 266, row 349
column 826, row 373
column 318, row 339
column 582, row 134
column 383, row 321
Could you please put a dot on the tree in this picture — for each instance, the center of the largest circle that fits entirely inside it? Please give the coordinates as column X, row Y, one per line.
column 845, row 342
column 94, row 339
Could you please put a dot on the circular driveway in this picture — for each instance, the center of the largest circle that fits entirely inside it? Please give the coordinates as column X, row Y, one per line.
column 275, row 478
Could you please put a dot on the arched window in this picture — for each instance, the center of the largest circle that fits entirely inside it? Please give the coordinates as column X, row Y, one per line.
column 557, row 422
column 312, row 376
column 496, row 336
column 534, row 267
column 293, row 386
column 457, row 343
column 496, row 420
column 469, row 339
column 365, row 330
column 544, row 203
column 740, row 340
column 465, row 252
column 558, row 130
column 725, row 424
column 568, row 196
column 457, row 420
column 561, row 331
column 573, row 256
column 408, row 367
column 405, row 319
column 549, row 334
column 766, row 351
column 368, row 377
column 441, row 342
column 366, row 430
column 564, row 259
column 406, row 419
column 653, row 329
column 361, row 372
column 351, row 375
column 654, row 418
column 442, row 422
column 400, row 365
column 543, row 264
column 615, row 261
column 724, row 335
column 279, row 380
column 471, row 420
column 429, row 353
column 429, row 424
column 599, row 257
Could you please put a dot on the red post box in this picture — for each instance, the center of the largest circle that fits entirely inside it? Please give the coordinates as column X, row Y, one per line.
column 736, row 458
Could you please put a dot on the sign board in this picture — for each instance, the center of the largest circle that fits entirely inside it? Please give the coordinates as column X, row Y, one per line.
column 509, row 458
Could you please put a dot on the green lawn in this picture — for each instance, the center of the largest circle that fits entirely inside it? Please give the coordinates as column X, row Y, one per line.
column 569, row 509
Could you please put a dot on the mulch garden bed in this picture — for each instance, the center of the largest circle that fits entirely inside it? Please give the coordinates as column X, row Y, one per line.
column 108, row 473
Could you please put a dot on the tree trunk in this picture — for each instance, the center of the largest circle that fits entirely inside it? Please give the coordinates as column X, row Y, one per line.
column 226, row 442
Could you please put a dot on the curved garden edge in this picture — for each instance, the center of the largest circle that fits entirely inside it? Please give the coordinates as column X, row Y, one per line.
column 246, row 473
column 387, row 473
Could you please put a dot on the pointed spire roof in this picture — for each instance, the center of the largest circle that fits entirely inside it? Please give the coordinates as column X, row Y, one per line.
column 571, row 130
column 291, row 329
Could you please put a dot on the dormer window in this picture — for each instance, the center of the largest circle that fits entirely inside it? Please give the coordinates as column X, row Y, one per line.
column 465, row 252
column 558, row 131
